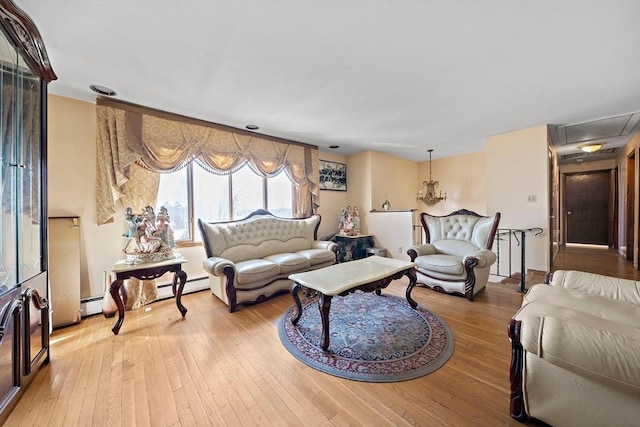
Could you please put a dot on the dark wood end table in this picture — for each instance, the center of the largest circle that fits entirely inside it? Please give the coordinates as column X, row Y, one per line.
column 146, row 271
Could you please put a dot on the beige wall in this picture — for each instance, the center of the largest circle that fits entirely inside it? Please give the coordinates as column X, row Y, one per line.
column 394, row 179
column 331, row 201
column 517, row 167
column 359, row 185
column 463, row 179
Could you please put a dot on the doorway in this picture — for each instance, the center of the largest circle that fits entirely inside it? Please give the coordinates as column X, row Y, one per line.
column 588, row 207
column 630, row 203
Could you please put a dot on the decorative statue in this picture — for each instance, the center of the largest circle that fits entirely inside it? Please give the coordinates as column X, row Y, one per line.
column 356, row 220
column 130, row 218
column 164, row 230
column 149, row 238
column 349, row 224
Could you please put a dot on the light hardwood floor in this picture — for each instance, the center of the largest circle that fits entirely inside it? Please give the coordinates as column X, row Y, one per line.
column 595, row 259
column 216, row 368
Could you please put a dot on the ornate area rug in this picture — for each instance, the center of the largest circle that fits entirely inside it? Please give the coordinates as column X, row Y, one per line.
column 372, row 338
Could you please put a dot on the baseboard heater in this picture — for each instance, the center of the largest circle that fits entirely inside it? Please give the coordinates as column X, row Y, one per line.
column 93, row 305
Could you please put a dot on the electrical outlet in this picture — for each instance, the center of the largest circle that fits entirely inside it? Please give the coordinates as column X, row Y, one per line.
column 531, row 198
column 399, row 249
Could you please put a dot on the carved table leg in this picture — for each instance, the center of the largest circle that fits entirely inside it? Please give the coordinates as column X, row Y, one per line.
column 115, row 294
column 413, row 278
column 324, row 304
column 179, row 276
column 295, row 288
column 516, row 371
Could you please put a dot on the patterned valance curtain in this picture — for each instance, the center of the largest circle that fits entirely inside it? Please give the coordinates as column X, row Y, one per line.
column 135, row 144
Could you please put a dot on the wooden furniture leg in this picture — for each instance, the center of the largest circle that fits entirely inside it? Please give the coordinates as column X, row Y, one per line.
column 324, row 304
column 179, row 277
column 413, row 278
column 115, row 294
column 295, row 288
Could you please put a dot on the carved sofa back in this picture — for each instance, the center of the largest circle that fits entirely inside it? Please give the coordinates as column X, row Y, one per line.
column 258, row 236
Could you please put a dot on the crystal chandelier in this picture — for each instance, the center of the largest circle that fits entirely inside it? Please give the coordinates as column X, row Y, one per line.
column 428, row 193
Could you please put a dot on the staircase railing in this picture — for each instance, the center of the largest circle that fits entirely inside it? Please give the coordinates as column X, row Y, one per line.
column 505, row 244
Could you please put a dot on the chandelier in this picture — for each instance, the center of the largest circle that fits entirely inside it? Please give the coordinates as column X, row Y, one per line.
column 428, row 193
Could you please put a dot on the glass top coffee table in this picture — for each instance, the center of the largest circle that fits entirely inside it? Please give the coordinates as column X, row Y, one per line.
column 370, row 274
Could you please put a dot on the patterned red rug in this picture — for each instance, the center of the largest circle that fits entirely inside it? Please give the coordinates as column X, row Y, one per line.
column 372, row 338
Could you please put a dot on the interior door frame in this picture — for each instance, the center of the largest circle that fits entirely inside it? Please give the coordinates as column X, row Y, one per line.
column 611, row 207
column 629, row 205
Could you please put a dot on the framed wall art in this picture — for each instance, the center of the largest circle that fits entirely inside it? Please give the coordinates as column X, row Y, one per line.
column 333, row 176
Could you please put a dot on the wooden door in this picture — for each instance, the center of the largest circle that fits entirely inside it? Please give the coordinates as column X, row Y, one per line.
column 587, row 202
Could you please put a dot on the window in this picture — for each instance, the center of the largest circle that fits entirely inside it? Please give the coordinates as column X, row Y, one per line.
column 219, row 197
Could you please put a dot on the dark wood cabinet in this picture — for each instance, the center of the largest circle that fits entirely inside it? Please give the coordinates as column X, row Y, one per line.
column 352, row 247
column 24, row 308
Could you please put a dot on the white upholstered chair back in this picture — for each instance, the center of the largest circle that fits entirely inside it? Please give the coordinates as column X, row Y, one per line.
column 476, row 230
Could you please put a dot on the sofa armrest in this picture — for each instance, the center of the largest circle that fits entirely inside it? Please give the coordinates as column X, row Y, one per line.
column 483, row 258
column 325, row 244
column 419, row 250
column 596, row 284
column 216, row 266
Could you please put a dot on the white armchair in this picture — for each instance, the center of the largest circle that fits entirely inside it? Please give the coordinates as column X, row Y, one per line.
column 457, row 256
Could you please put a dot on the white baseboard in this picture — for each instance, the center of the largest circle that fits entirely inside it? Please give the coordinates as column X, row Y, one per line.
column 91, row 306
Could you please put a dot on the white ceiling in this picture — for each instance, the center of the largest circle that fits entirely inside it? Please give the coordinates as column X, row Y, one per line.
column 393, row 76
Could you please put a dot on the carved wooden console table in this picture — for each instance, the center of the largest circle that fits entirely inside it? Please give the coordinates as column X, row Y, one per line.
column 146, row 271
column 370, row 274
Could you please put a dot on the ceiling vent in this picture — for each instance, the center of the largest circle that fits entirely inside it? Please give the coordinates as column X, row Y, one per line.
column 610, row 127
column 582, row 155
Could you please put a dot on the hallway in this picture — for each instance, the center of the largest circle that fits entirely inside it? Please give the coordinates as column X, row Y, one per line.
column 594, row 259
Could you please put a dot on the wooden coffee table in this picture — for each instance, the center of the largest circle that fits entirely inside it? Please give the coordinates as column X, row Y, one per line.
column 370, row 274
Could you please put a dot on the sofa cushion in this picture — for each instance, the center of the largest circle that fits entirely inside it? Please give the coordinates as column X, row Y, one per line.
column 596, row 284
column 318, row 256
column 447, row 264
column 604, row 351
column 289, row 263
column 597, row 307
column 255, row 270
column 459, row 248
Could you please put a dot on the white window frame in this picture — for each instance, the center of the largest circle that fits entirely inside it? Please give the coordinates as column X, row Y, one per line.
column 190, row 204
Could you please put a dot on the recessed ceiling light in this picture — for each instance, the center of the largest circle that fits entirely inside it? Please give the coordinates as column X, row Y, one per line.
column 590, row 148
column 334, row 146
column 252, row 127
column 103, row 90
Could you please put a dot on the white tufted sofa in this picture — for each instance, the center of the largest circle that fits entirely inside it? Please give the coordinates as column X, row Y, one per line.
column 457, row 256
column 249, row 260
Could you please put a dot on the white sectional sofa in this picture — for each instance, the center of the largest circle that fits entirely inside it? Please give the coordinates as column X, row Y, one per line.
column 575, row 357
column 249, row 260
